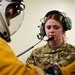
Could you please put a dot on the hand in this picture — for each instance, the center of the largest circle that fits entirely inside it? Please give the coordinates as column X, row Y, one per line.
column 39, row 71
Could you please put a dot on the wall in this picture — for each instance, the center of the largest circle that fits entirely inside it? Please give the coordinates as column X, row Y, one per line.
column 26, row 36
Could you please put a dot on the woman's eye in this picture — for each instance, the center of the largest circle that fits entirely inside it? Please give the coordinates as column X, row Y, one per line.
column 48, row 27
column 56, row 27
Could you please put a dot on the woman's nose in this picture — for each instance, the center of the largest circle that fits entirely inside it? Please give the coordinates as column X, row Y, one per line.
column 51, row 29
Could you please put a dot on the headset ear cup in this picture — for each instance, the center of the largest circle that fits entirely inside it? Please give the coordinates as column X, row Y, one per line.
column 68, row 23
column 42, row 30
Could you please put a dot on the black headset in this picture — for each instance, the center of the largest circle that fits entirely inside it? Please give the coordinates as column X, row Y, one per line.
column 67, row 24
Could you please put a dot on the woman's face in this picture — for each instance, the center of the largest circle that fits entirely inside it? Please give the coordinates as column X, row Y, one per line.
column 53, row 29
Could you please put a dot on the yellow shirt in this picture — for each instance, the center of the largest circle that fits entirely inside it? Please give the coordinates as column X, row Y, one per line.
column 9, row 63
column 69, row 70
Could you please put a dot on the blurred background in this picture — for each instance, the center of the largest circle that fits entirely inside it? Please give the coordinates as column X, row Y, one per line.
column 26, row 36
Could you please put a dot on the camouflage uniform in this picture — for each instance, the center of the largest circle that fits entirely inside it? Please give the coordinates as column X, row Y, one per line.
column 46, row 55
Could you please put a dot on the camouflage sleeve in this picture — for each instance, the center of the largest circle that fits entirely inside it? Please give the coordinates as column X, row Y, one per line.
column 30, row 59
column 34, row 56
column 69, row 59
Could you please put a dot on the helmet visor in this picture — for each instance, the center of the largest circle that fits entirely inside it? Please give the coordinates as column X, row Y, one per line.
column 14, row 14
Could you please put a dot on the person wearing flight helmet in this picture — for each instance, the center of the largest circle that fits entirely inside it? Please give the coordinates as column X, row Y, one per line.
column 11, row 10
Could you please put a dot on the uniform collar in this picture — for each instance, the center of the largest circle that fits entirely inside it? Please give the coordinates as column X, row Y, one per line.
column 49, row 49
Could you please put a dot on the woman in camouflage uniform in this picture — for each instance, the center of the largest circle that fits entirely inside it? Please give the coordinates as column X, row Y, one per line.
column 57, row 50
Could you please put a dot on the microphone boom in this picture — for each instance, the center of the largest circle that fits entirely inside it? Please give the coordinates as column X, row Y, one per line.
column 50, row 39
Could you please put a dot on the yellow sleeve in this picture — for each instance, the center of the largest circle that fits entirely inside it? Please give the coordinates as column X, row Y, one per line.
column 9, row 63
column 69, row 70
